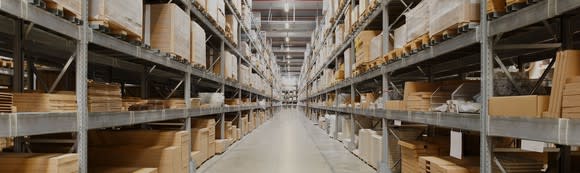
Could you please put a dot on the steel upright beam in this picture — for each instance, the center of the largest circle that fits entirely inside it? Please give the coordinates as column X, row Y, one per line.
column 352, row 57
column 567, row 35
column 223, row 87
column 486, row 89
column 81, row 90
column 18, row 57
column 187, row 98
column 384, row 166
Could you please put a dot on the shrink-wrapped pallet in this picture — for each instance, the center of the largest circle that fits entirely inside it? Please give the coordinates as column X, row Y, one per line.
column 418, row 20
column 170, row 29
column 68, row 6
column 197, row 45
column 125, row 16
column 363, row 45
column 233, row 23
column 339, row 34
column 450, row 14
column 201, row 3
column 376, row 47
column 231, row 66
column 401, row 36
column 212, row 99
column 245, row 74
column 212, row 8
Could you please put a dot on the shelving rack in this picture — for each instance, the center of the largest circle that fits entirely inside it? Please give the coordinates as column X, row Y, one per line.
column 518, row 35
column 40, row 36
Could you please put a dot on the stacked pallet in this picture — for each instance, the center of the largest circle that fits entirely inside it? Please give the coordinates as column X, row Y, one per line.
column 495, row 8
column 43, row 102
column 447, row 17
column 200, row 145
column 412, row 150
column 168, row 151
column 363, row 47
column 198, row 56
column 423, row 101
column 68, row 8
column 174, row 103
column 434, row 164
column 130, row 101
column 123, row 18
column 417, row 25
column 209, row 124
column 6, row 102
column 571, row 100
column 104, row 97
column 231, row 67
column 28, row 162
column 567, row 66
column 232, row 102
column 170, row 30
column 513, row 164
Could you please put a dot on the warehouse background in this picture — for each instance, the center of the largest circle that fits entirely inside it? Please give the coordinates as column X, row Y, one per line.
column 297, row 85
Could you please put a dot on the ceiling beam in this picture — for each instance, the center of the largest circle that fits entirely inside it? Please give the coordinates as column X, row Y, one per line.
column 278, row 5
column 303, row 34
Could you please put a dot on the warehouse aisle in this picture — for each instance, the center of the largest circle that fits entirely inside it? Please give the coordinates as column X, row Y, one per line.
column 287, row 144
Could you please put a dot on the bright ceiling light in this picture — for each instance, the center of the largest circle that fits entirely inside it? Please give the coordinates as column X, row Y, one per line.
column 286, row 7
column 287, row 39
column 289, row 57
column 287, row 25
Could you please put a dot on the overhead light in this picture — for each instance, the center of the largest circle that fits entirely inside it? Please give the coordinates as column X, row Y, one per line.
column 287, row 25
column 287, row 39
column 286, row 7
column 289, row 57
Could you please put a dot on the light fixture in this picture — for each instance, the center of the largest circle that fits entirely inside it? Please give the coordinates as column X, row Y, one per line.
column 289, row 57
column 286, row 7
column 287, row 39
column 287, row 25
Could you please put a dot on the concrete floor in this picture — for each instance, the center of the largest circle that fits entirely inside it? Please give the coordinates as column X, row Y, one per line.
column 289, row 143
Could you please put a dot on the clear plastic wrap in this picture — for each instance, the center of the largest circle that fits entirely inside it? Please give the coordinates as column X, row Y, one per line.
column 418, row 20
column 449, row 13
column 170, row 29
column 376, row 47
column 126, row 15
column 197, row 45
column 401, row 36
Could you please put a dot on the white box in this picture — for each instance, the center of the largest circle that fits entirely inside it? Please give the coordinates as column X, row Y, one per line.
column 198, row 55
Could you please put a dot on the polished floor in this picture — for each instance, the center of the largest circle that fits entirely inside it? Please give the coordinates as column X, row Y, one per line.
column 289, row 143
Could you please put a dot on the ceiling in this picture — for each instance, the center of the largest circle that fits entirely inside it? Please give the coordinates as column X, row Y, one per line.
column 301, row 18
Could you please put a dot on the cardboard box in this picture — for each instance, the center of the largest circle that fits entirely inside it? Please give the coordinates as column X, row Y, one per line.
column 200, row 142
column 119, row 15
column 170, row 29
column 518, row 106
column 231, row 66
column 447, row 13
column 233, row 23
column 221, row 145
column 198, row 157
column 395, row 105
column 29, row 162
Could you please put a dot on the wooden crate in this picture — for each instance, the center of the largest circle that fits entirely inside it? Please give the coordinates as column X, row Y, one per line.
column 31, row 163
column 124, row 18
column 170, row 30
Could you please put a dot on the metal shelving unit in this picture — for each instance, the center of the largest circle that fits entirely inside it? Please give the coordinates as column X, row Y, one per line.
column 94, row 48
column 508, row 36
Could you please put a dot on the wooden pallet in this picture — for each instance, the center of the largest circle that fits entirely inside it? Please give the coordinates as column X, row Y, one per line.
column 495, row 9
column 116, row 30
column 418, row 44
column 178, row 58
column 198, row 66
column 59, row 10
column 515, row 5
column 451, row 32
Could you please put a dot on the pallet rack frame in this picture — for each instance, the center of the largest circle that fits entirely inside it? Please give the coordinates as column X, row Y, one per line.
column 559, row 131
column 25, row 124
